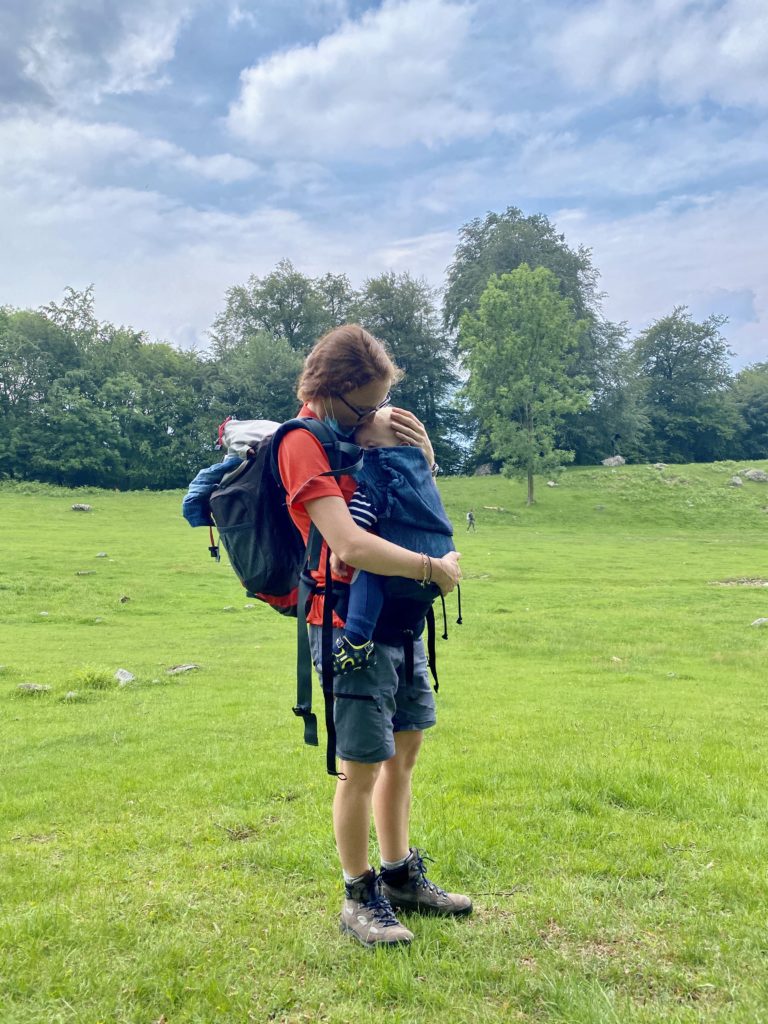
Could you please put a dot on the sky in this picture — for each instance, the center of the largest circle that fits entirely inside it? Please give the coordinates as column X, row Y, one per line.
column 165, row 150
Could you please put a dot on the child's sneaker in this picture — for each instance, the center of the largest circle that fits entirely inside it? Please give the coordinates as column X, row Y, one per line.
column 347, row 657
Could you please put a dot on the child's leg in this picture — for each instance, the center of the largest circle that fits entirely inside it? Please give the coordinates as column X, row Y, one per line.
column 366, row 598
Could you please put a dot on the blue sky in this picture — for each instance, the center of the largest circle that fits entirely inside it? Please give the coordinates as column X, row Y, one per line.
column 166, row 149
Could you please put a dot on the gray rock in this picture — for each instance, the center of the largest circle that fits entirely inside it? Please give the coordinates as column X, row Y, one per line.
column 124, row 599
column 735, row 481
column 33, row 688
column 614, row 460
column 757, row 476
column 44, row 613
column 86, row 572
column 485, row 470
column 71, row 695
column 82, row 508
column 181, row 668
column 551, row 483
column 102, row 554
column 760, row 622
column 660, row 465
column 123, row 676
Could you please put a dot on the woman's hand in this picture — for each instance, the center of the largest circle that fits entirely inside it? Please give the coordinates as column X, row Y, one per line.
column 446, row 571
column 411, row 430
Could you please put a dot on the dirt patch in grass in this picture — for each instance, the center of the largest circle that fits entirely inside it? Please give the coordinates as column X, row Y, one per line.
column 740, row 581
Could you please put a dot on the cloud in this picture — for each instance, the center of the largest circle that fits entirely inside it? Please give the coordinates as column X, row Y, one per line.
column 385, row 81
column 677, row 253
column 69, row 149
column 687, row 52
column 69, row 52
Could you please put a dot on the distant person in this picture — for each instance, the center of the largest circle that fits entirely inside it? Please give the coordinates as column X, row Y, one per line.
column 470, row 521
column 396, row 494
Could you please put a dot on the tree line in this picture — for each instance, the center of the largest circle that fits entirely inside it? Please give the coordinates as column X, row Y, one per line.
column 512, row 365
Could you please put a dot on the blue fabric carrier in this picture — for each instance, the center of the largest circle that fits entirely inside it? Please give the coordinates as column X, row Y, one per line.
column 399, row 483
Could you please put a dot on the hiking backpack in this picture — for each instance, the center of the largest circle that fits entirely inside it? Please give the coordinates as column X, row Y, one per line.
column 246, row 501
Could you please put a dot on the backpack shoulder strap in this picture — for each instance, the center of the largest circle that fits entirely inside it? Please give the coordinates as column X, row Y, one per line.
column 344, row 459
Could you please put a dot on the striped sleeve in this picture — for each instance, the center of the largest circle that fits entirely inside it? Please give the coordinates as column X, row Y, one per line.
column 362, row 510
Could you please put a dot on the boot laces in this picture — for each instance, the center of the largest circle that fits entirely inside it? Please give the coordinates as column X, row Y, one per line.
column 424, row 882
column 380, row 906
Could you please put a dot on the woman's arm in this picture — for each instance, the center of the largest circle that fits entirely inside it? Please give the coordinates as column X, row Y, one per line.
column 366, row 551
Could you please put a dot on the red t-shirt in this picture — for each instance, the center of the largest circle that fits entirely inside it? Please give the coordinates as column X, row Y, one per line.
column 301, row 460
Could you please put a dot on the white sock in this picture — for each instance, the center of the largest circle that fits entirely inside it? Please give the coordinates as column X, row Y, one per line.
column 390, row 865
column 349, row 879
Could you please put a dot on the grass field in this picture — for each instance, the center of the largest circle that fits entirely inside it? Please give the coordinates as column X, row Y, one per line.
column 597, row 780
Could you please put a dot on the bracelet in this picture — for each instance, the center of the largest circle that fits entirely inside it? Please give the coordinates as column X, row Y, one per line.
column 429, row 580
column 434, row 469
column 426, row 569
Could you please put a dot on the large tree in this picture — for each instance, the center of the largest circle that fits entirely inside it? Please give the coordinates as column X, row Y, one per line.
column 685, row 379
column 516, row 347
column 750, row 395
column 285, row 304
column 402, row 311
column 501, row 242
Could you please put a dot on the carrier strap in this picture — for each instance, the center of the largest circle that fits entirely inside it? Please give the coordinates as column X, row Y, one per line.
column 303, row 708
column 431, row 646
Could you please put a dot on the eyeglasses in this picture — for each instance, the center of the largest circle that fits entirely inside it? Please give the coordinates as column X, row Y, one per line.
column 363, row 414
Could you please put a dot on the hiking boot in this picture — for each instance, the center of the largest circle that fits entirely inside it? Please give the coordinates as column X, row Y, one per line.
column 408, row 888
column 347, row 657
column 367, row 915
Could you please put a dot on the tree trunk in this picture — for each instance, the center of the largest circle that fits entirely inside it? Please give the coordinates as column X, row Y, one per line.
column 530, row 488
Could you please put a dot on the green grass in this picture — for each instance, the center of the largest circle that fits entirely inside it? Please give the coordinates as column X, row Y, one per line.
column 596, row 780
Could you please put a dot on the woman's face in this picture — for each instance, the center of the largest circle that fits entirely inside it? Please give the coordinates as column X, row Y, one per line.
column 354, row 407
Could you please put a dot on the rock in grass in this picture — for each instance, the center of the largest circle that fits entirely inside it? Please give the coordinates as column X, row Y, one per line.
column 660, row 465
column 124, row 599
column 102, row 554
column 82, row 508
column 760, row 622
column 123, row 676
column 551, row 483
column 33, row 688
column 614, row 460
column 757, row 476
column 735, row 481
column 85, row 572
column 181, row 668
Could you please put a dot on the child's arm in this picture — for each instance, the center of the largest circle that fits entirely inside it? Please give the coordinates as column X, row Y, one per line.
column 362, row 510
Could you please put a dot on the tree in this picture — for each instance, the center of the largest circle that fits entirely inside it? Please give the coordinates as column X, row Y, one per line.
column 516, row 348
column 402, row 312
column 685, row 379
column 285, row 304
column 502, row 242
column 257, row 379
column 750, row 395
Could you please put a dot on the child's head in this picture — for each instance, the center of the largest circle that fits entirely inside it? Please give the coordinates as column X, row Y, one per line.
column 377, row 431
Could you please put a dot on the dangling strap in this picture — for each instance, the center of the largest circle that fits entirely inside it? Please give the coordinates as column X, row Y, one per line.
column 445, row 618
column 303, row 708
column 459, row 621
column 326, row 667
column 431, row 647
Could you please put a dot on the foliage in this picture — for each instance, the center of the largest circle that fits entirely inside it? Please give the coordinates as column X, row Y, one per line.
column 516, row 349
column 684, row 378
column 750, row 396
column 285, row 304
column 402, row 312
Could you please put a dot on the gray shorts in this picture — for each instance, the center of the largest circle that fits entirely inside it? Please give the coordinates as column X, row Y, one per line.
column 365, row 728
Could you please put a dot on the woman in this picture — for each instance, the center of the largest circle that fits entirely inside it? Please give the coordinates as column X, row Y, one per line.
column 346, row 377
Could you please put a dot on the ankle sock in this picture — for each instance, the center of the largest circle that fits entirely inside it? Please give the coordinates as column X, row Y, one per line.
column 351, row 879
column 393, row 865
